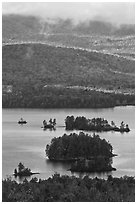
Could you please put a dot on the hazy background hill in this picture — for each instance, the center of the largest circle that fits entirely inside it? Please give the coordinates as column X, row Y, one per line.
column 17, row 26
column 93, row 35
column 67, row 65
column 58, row 53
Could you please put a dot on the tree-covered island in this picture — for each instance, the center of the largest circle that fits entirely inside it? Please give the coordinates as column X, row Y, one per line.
column 86, row 153
column 23, row 171
column 94, row 124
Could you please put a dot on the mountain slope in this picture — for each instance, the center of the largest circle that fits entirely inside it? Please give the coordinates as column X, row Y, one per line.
column 55, row 65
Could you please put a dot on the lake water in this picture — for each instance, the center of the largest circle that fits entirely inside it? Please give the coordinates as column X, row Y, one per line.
column 26, row 143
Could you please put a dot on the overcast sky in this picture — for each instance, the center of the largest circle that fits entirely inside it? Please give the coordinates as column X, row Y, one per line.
column 121, row 12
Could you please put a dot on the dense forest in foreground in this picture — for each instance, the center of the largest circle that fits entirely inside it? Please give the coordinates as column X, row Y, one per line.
column 70, row 189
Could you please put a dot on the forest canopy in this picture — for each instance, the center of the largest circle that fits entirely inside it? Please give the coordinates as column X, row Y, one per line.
column 70, row 189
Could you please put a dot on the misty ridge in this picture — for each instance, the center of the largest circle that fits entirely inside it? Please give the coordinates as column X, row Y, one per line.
column 14, row 26
column 57, row 51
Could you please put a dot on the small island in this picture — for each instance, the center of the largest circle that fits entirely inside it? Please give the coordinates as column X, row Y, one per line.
column 85, row 152
column 51, row 125
column 94, row 124
column 23, row 171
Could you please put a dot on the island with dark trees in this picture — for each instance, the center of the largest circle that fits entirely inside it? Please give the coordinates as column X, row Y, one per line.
column 86, row 153
column 23, row 171
column 51, row 125
column 94, row 124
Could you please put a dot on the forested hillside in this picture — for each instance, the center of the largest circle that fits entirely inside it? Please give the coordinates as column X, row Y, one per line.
column 39, row 65
column 40, row 75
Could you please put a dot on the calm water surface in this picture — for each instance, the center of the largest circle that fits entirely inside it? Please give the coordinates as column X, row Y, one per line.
column 26, row 143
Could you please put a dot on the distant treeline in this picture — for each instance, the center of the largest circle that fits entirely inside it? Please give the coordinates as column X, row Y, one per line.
column 31, row 97
column 70, row 189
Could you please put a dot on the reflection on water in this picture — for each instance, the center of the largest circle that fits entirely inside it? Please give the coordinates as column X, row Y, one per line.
column 57, row 164
column 27, row 143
